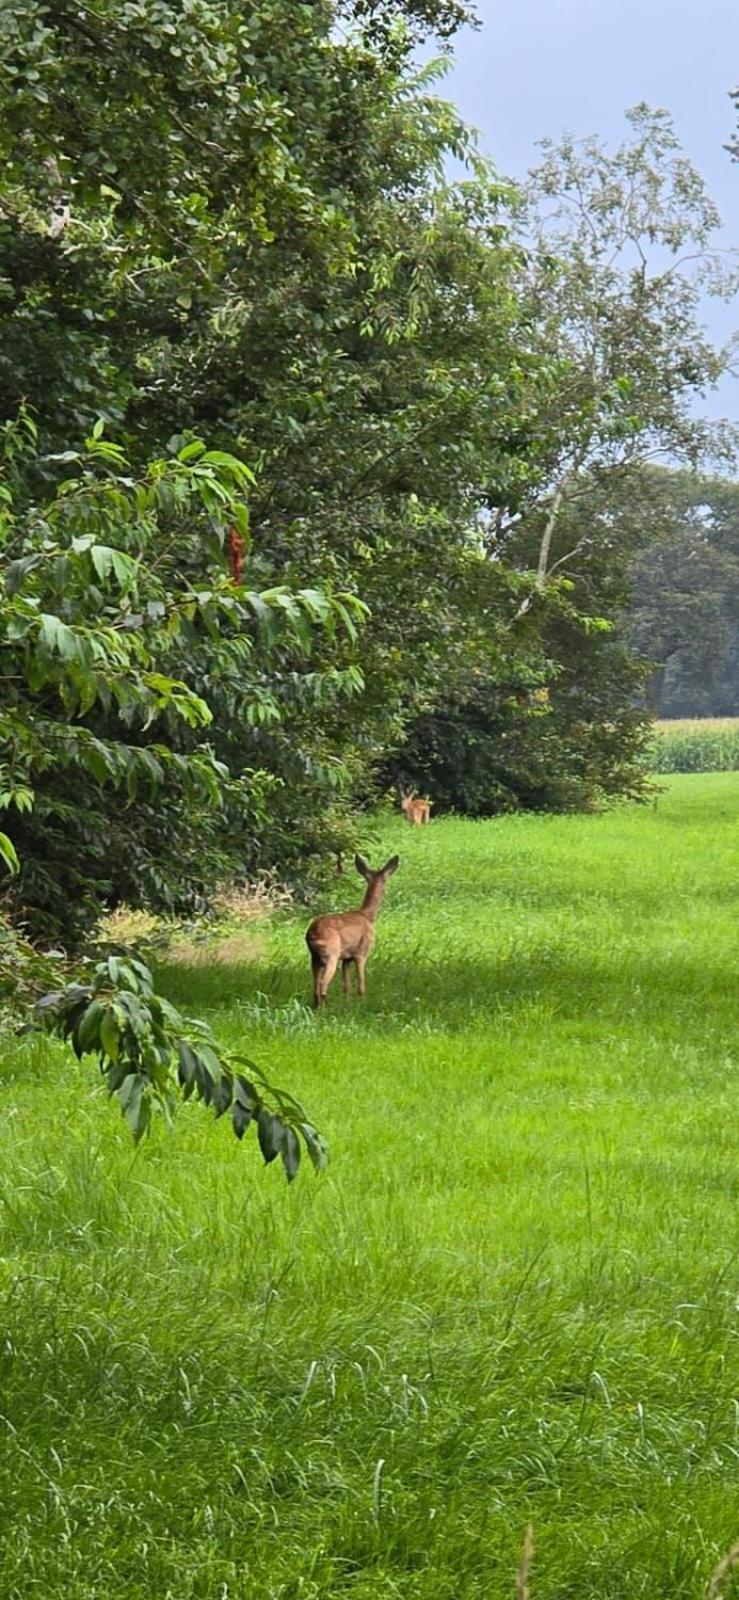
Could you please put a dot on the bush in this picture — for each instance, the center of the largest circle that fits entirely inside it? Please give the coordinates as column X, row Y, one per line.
column 138, row 668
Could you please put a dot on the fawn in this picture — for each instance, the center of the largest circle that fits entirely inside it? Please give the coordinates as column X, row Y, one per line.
column 347, row 936
column 416, row 810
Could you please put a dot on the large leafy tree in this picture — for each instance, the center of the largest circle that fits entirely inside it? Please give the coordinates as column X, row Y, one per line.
column 117, row 613
column 294, row 278
column 119, row 622
column 618, row 250
column 622, row 249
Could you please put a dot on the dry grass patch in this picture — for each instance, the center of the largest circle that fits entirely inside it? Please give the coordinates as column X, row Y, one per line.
column 236, row 934
column 229, row 937
column 228, row 949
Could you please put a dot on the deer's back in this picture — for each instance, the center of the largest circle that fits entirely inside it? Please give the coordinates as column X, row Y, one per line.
column 350, row 930
column 417, row 811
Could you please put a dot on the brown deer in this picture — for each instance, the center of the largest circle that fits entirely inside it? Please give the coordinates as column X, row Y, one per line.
column 417, row 811
column 347, row 936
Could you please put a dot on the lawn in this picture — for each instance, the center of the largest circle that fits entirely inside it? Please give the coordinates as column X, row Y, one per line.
column 513, row 1297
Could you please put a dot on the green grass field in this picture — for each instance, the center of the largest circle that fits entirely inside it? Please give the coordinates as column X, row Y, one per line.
column 514, row 1296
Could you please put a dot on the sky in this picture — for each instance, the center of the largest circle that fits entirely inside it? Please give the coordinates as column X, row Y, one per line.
column 540, row 67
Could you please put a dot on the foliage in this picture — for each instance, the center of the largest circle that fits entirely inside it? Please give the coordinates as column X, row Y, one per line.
column 145, row 1047
column 419, row 382
column 511, row 1298
column 556, row 722
column 684, row 602
column 572, row 742
column 700, row 744
column 621, row 249
column 25, row 973
column 618, row 250
column 393, row 22
column 119, row 620
column 295, row 279
column 733, row 145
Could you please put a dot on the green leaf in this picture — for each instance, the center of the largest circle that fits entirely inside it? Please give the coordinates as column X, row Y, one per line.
column 135, row 1103
column 191, row 451
column 57, row 637
column 16, row 571
column 290, row 1153
column 241, row 1117
column 101, row 556
column 187, row 1067
column 9, row 854
column 97, row 761
column 110, row 1035
column 222, row 1094
column 315, row 1145
column 270, row 1132
column 89, row 1027
column 235, row 468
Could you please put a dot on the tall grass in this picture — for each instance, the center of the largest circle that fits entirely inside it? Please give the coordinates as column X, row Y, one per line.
column 697, row 744
column 512, row 1299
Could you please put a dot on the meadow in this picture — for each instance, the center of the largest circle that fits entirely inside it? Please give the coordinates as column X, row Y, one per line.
column 513, row 1297
column 697, row 744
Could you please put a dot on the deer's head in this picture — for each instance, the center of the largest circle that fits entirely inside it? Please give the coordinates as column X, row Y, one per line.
column 376, row 879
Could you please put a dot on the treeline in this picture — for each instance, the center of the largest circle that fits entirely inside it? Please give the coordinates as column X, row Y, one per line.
column 317, row 463
column 683, row 614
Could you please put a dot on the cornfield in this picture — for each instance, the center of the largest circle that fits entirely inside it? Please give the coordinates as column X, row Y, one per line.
column 697, row 744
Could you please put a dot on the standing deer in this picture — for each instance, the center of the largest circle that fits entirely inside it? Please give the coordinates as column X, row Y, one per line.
column 347, row 936
column 417, row 811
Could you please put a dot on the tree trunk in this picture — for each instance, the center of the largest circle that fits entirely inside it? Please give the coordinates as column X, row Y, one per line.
column 542, row 565
column 655, row 689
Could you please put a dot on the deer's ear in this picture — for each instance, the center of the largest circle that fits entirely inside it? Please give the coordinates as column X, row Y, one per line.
column 363, row 867
column 390, row 866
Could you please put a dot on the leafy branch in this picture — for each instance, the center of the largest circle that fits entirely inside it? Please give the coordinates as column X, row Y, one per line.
column 147, row 1051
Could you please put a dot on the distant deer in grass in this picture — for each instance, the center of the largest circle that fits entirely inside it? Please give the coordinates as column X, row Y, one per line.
column 347, row 936
column 417, row 811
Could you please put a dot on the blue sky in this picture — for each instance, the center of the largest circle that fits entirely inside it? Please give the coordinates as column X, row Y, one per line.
column 541, row 66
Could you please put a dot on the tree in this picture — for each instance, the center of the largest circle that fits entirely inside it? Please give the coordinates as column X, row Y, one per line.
column 617, row 250
column 397, row 21
column 733, row 145
column 620, row 252
column 684, row 602
column 295, row 279
column 557, row 725
column 118, row 615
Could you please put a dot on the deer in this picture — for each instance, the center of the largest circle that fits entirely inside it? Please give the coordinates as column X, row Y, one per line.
column 347, row 936
column 417, row 811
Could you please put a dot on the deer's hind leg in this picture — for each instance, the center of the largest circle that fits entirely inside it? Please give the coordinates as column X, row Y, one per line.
column 317, row 967
column 324, row 966
column 346, row 973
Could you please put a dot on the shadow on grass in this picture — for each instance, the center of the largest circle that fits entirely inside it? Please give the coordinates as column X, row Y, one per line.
column 675, row 993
